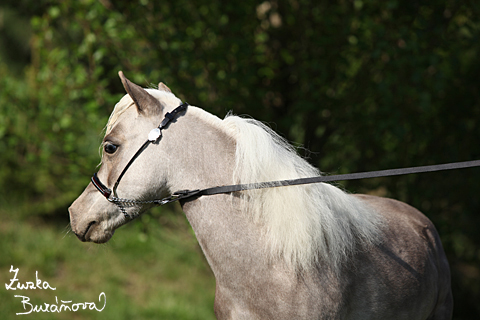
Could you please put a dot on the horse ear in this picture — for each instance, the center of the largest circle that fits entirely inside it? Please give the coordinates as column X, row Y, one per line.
column 144, row 101
column 163, row 87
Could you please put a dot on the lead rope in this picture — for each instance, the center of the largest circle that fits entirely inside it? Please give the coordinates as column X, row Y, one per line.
column 186, row 194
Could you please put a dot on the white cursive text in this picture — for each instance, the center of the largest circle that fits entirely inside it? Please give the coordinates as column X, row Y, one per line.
column 63, row 306
column 38, row 284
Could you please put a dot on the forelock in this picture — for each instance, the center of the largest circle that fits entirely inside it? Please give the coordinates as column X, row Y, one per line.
column 122, row 106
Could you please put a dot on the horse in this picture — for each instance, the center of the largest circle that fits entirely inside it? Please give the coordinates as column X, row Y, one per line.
column 296, row 252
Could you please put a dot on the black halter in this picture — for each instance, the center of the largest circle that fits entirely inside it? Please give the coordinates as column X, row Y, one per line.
column 156, row 133
column 153, row 137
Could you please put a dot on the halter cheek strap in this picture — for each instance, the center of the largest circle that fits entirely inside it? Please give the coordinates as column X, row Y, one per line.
column 153, row 137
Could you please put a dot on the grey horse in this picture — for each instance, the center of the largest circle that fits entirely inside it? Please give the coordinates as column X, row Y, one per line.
column 297, row 252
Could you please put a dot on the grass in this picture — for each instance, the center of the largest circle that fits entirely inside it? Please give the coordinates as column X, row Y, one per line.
column 152, row 268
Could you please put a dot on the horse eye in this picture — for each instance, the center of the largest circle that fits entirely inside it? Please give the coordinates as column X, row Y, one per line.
column 110, row 148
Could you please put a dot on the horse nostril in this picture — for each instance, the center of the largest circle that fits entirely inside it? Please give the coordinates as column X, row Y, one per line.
column 81, row 236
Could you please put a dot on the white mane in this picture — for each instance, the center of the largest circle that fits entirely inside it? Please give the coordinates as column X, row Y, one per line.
column 303, row 224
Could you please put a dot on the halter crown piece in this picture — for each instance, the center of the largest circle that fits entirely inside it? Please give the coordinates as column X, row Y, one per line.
column 153, row 136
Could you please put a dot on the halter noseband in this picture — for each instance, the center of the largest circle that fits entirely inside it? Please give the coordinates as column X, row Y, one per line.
column 153, row 136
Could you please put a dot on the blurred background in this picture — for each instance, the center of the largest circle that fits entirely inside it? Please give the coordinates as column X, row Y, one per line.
column 357, row 85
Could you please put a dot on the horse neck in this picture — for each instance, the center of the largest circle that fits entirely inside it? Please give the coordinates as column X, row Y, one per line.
column 199, row 154
column 206, row 158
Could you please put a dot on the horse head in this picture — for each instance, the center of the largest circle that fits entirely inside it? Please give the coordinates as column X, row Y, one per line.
column 92, row 216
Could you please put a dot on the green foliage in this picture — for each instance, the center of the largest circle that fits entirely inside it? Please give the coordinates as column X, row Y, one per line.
column 363, row 84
